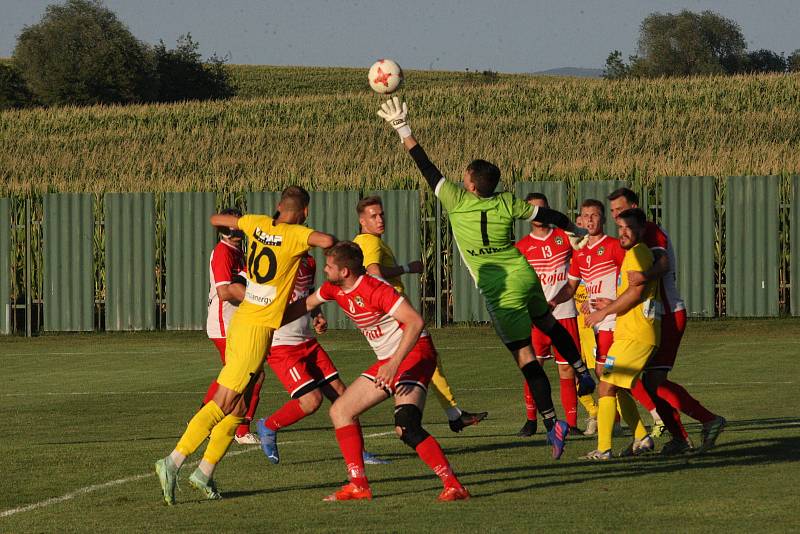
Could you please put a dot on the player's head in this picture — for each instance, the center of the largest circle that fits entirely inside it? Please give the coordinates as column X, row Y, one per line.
column 622, row 199
column 293, row 205
column 593, row 216
column 540, row 200
column 344, row 262
column 370, row 215
column 630, row 224
column 481, row 178
column 233, row 237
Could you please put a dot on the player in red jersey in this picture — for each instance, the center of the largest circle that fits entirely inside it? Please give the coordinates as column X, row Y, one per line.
column 548, row 251
column 226, row 291
column 406, row 362
column 302, row 366
column 669, row 397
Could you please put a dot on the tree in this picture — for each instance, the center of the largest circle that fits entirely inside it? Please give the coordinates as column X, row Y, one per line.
column 615, row 68
column 764, row 61
column 13, row 91
column 182, row 75
column 793, row 61
column 80, row 53
column 689, row 43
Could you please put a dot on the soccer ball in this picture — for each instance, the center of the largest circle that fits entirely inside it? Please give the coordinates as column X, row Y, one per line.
column 385, row 76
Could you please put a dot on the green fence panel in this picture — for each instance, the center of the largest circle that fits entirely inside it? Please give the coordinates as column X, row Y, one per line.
column 794, row 246
column 262, row 202
column 333, row 212
column 403, row 234
column 751, row 246
column 68, row 292
column 190, row 240
column 5, row 266
column 599, row 190
column 130, row 261
column 688, row 217
column 556, row 193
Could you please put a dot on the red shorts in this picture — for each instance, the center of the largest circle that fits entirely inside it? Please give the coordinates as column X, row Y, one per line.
column 605, row 338
column 417, row 367
column 219, row 342
column 542, row 344
column 672, row 327
column 297, row 366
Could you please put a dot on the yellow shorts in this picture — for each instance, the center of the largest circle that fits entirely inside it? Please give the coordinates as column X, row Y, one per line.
column 588, row 344
column 245, row 348
column 625, row 361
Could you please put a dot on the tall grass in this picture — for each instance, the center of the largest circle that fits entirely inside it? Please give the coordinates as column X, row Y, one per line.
column 554, row 128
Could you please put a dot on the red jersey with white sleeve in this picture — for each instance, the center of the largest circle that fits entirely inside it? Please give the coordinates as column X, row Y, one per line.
column 300, row 330
column 370, row 304
column 657, row 239
column 550, row 258
column 598, row 264
column 226, row 262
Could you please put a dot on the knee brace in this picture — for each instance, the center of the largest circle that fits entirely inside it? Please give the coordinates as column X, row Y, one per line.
column 409, row 419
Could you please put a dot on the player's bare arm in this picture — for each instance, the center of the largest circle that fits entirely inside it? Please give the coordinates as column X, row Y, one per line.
column 233, row 293
column 321, row 240
column 565, row 293
column 381, row 271
column 300, row 307
column 412, row 327
column 225, row 221
column 660, row 268
column 625, row 302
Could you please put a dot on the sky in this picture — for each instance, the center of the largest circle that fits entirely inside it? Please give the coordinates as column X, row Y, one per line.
column 505, row 36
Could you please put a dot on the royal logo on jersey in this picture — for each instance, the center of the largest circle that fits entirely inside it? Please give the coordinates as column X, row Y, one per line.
column 266, row 239
column 558, row 240
column 359, row 301
column 601, row 251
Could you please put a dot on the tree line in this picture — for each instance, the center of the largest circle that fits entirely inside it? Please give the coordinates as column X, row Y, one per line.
column 689, row 43
column 80, row 53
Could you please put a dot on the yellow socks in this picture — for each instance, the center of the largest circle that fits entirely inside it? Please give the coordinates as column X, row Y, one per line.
column 606, row 413
column 221, row 438
column 199, row 428
column 627, row 407
column 589, row 404
column 442, row 388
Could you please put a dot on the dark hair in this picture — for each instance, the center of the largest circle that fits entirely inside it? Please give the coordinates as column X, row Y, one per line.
column 231, row 211
column 366, row 202
column 634, row 215
column 538, row 196
column 347, row 254
column 629, row 195
column 485, row 175
column 295, row 198
column 594, row 203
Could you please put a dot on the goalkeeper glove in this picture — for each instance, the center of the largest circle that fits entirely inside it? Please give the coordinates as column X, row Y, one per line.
column 579, row 238
column 394, row 112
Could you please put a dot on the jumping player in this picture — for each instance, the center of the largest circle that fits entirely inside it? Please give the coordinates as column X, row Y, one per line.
column 303, row 367
column 276, row 246
column 379, row 261
column 406, row 362
column 224, row 296
column 482, row 223
column 636, row 337
column 673, row 325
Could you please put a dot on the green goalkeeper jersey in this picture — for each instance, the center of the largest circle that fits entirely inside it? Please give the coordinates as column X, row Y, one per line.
column 483, row 230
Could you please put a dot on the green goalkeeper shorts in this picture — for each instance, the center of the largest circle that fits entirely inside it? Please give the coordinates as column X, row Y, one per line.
column 512, row 299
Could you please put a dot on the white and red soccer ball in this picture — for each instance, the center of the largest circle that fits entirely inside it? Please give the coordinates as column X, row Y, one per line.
column 385, row 76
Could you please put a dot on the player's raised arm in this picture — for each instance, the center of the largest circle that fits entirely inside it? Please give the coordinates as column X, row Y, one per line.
column 321, row 240
column 394, row 112
column 225, row 221
column 300, row 307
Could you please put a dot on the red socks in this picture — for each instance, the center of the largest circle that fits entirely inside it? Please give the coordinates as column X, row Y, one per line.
column 431, row 453
column 530, row 404
column 569, row 400
column 680, row 399
column 212, row 390
column 351, row 443
column 641, row 395
column 286, row 415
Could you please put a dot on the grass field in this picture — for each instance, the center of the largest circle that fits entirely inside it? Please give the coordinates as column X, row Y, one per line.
column 85, row 416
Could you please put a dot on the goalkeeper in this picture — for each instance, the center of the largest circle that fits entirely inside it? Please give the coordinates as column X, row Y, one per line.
column 482, row 222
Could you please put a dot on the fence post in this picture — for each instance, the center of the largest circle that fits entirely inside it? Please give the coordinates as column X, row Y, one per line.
column 28, row 299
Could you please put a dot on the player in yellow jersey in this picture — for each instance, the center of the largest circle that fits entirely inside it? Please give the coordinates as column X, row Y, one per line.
column 275, row 247
column 379, row 261
column 636, row 338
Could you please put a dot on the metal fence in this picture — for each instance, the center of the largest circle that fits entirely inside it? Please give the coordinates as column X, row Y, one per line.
column 139, row 261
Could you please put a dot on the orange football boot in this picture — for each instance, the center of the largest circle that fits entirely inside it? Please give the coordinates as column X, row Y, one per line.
column 350, row 492
column 454, row 494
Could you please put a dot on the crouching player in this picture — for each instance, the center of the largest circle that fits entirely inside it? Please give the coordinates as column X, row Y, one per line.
column 303, row 367
column 636, row 338
column 406, row 362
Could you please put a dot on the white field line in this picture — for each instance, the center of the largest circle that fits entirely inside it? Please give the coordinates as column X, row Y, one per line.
column 198, row 392
column 96, row 487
